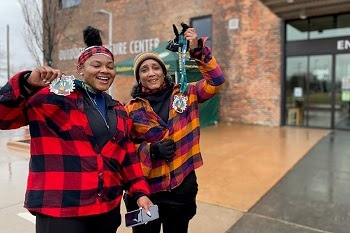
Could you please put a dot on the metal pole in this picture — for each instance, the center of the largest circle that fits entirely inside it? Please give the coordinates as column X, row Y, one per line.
column 110, row 29
column 110, row 19
column 8, row 52
column 111, row 88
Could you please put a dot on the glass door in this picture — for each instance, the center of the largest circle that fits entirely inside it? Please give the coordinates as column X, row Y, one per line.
column 319, row 92
column 342, row 96
column 309, row 91
column 296, row 74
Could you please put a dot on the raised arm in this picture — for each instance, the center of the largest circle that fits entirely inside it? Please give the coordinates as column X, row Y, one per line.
column 213, row 78
column 15, row 94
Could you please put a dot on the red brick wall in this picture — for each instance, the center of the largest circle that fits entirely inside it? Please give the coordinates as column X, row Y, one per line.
column 250, row 56
column 252, row 95
column 122, row 87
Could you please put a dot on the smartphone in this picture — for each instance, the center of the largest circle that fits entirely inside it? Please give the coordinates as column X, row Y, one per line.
column 139, row 216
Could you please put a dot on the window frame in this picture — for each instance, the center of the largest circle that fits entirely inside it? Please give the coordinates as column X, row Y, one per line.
column 75, row 3
column 209, row 42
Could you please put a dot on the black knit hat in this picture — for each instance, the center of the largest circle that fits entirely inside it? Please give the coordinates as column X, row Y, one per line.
column 140, row 58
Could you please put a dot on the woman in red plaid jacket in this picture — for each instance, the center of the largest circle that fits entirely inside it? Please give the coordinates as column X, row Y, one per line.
column 81, row 155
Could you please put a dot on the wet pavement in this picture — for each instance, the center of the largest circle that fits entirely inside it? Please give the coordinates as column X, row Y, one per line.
column 254, row 179
column 313, row 197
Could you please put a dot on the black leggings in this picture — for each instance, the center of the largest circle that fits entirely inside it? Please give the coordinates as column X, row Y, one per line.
column 176, row 208
column 103, row 223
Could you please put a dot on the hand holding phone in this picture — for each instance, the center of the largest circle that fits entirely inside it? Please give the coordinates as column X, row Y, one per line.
column 139, row 216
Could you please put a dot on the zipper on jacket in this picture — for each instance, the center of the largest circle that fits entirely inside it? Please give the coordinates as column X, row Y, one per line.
column 93, row 103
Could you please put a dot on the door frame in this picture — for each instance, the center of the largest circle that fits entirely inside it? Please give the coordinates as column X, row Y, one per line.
column 307, row 89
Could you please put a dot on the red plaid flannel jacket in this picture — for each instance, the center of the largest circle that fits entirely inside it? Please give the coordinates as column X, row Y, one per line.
column 68, row 174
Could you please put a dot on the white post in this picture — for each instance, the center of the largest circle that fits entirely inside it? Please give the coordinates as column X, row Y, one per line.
column 110, row 40
column 110, row 29
column 8, row 52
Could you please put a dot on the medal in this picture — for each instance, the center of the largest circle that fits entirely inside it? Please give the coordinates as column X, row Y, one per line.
column 180, row 100
column 182, row 62
column 180, row 103
column 63, row 86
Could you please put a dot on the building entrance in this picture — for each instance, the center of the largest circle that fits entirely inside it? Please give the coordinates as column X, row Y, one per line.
column 317, row 73
column 318, row 91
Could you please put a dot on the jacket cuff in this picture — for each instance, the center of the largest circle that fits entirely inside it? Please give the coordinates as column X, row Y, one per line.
column 24, row 86
column 198, row 52
column 137, row 195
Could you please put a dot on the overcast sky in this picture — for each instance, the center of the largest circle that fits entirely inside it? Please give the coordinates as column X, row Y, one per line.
column 20, row 58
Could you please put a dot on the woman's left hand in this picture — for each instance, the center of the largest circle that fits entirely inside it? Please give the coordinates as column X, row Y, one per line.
column 191, row 35
column 145, row 203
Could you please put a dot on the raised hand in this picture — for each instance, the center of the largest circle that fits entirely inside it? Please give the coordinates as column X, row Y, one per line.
column 173, row 45
column 42, row 76
column 191, row 35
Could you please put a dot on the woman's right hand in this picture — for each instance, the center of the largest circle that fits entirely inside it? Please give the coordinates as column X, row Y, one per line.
column 42, row 76
column 191, row 35
column 145, row 202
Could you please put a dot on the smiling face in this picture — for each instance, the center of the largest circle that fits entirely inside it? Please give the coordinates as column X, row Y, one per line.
column 98, row 72
column 151, row 74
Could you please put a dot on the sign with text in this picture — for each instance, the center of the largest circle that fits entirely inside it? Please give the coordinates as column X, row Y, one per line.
column 343, row 44
column 318, row 47
column 298, row 92
column 119, row 48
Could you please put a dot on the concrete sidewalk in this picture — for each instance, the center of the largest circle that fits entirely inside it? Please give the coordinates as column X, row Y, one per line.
column 241, row 164
column 313, row 197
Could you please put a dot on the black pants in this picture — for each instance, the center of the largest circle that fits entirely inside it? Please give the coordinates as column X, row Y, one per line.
column 103, row 223
column 176, row 208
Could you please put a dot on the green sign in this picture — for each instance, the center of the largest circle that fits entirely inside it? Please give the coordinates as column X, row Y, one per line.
column 345, row 96
column 170, row 59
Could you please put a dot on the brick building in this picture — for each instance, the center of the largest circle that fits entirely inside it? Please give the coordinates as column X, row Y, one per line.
column 250, row 40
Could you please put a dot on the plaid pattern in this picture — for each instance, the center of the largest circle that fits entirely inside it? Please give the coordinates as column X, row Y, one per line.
column 183, row 128
column 88, row 52
column 68, row 174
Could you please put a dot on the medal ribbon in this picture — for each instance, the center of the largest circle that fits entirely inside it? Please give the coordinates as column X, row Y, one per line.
column 182, row 62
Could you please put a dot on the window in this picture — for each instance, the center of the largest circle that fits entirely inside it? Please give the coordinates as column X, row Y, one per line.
column 318, row 28
column 69, row 3
column 203, row 28
column 330, row 26
column 323, row 27
column 297, row 30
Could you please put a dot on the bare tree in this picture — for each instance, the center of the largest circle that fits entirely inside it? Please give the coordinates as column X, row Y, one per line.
column 45, row 26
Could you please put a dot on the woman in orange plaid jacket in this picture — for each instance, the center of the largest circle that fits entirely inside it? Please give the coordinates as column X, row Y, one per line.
column 166, row 133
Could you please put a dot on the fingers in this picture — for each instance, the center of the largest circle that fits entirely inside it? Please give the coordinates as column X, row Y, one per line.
column 191, row 35
column 169, row 155
column 48, row 74
column 44, row 75
column 145, row 203
column 53, row 75
column 168, row 142
column 170, row 149
column 169, row 145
